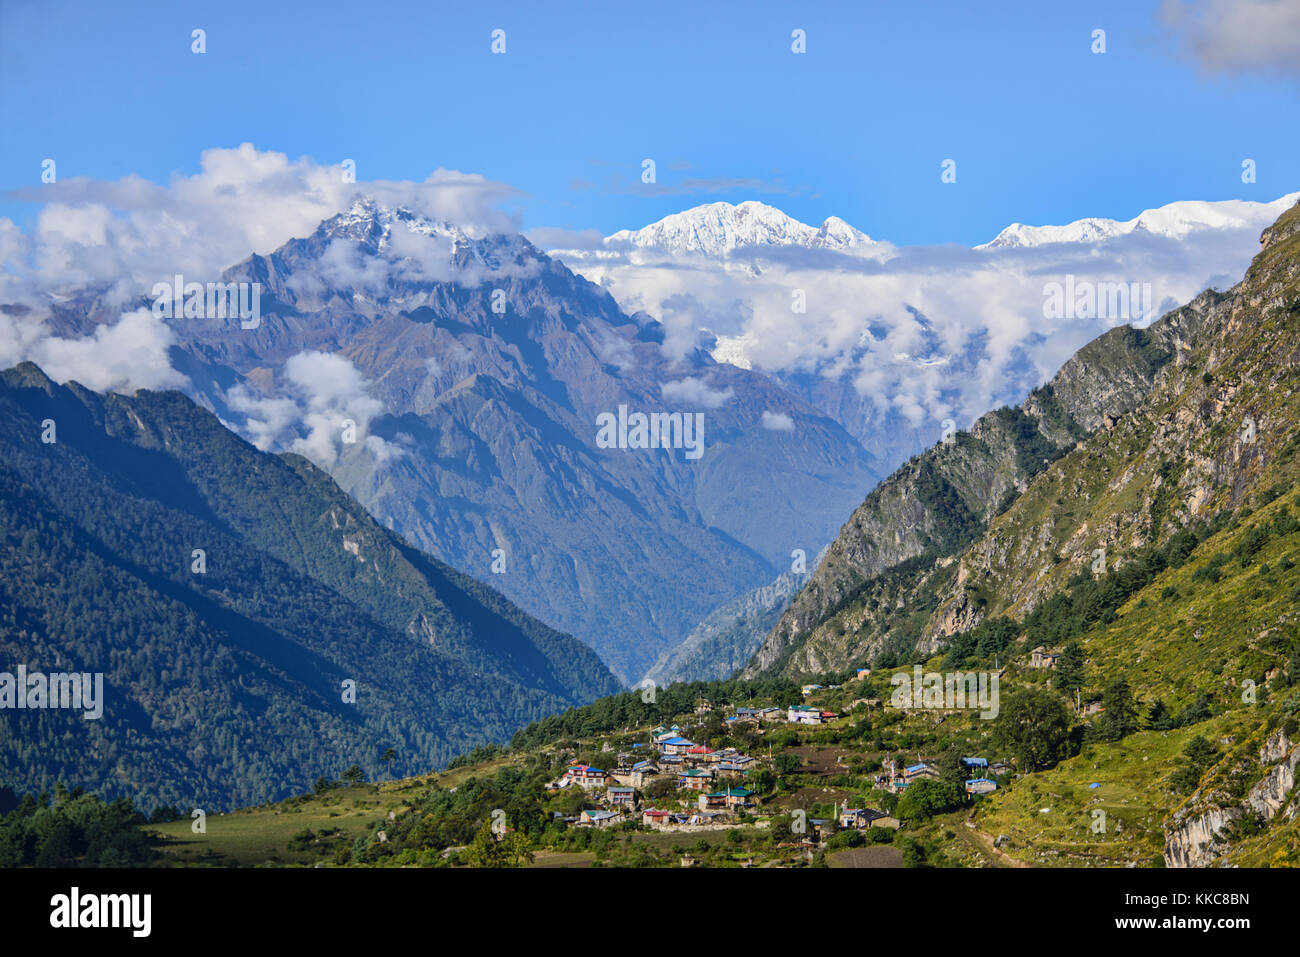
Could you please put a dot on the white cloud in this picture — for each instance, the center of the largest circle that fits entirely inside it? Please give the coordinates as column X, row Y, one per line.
column 319, row 394
column 1237, row 35
column 241, row 201
column 929, row 333
column 695, row 392
column 777, row 421
column 342, row 266
column 129, row 354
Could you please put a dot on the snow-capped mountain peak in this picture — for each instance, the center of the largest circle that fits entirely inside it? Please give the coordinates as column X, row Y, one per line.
column 716, row 229
column 1174, row 221
column 835, row 233
column 386, row 230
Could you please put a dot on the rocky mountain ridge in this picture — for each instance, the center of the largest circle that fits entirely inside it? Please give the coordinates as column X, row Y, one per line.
column 1140, row 433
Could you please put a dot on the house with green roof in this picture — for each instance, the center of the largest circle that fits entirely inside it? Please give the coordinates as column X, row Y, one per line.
column 696, row 779
column 730, row 797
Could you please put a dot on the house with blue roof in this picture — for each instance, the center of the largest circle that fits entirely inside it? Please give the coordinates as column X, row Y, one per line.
column 676, row 745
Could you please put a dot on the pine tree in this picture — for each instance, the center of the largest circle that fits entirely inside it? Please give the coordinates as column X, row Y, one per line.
column 1070, row 669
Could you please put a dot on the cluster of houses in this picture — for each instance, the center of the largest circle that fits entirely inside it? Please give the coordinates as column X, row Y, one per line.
column 694, row 763
column 714, row 815
column 715, row 774
column 895, row 781
column 795, row 714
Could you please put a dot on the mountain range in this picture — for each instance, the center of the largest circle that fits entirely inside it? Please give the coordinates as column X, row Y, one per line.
column 476, row 369
column 471, row 368
column 1173, row 221
column 1141, row 436
column 897, row 342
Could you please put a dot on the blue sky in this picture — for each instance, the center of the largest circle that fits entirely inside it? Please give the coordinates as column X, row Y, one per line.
column 1042, row 129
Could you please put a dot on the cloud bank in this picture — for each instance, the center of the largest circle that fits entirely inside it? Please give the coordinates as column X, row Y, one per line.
column 928, row 333
column 922, row 334
column 242, row 201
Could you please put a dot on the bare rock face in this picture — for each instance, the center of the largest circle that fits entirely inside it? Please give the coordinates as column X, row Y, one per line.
column 940, row 502
column 1195, row 834
column 1269, row 796
column 1191, row 842
column 1275, row 748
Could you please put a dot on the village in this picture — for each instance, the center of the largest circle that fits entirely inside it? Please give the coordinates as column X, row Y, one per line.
column 671, row 783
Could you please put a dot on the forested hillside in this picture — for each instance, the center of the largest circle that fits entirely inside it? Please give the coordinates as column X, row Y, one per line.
column 227, row 595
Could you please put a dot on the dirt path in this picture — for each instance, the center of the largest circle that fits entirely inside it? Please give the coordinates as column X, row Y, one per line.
column 984, row 844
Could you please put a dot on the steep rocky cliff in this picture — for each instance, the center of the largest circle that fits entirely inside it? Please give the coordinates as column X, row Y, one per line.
column 940, row 501
column 1202, row 831
column 1141, row 433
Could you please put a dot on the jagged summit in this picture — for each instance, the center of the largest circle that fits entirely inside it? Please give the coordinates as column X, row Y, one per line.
column 379, row 228
column 715, row 229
